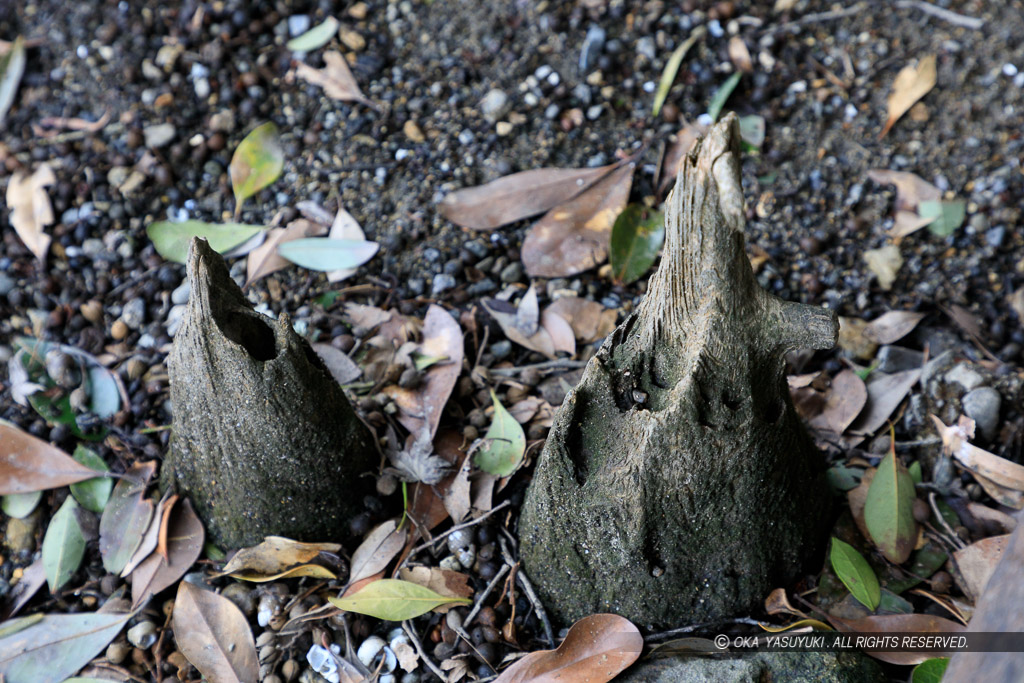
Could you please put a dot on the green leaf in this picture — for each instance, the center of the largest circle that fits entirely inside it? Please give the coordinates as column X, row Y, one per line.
column 637, row 236
column 20, row 505
column 92, row 494
column 752, row 130
column 888, row 510
column 855, row 573
column 212, row 552
column 504, row 443
column 915, row 471
column 172, row 239
column 12, row 626
column 930, row 670
column 12, row 66
column 325, row 253
column 842, row 478
column 948, row 215
column 315, row 37
column 63, row 546
column 57, row 646
column 256, row 163
column 948, row 514
column 394, row 600
column 923, row 563
column 422, row 361
column 718, row 100
column 668, row 76
column 890, row 603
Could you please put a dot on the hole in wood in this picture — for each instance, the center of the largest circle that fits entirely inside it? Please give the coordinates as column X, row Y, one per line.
column 251, row 333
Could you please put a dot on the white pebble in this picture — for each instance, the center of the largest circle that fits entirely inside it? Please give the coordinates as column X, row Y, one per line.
column 1009, row 70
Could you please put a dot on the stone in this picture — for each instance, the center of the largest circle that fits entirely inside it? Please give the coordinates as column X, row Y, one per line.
column 834, row 667
column 159, row 135
column 898, row 358
column 513, row 272
column 964, row 375
column 494, row 105
column 982, row 405
column 593, row 43
column 442, row 283
column 134, row 313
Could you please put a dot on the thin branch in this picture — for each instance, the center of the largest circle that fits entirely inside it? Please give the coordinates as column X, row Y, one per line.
column 406, row 626
column 955, row 540
column 972, row 23
column 560, row 364
column 699, row 627
column 527, row 587
column 464, row 525
column 819, row 17
column 483, row 596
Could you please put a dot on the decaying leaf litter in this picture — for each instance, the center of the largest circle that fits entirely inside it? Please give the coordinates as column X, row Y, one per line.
column 519, row 386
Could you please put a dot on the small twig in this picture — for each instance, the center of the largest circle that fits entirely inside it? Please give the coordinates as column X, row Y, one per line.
column 942, row 520
column 419, row 650
column 527, row 587
column 699, row 627
column 818, row 17
column 464, row 525
column 942, row 13
column 483, row 596
column 560, row 364
column 919, row 443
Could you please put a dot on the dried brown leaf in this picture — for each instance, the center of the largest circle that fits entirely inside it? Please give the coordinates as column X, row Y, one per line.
column 892, row 326
column 344, row 227
column 264, row 259
column 517, row 196
column 885, row 262
column 573, row 237
column 126, row 517
column 150, row 540
column 596, row 649
column 29, row 464
column 676, row 152
column 997, row 520
column 897, row 623
column 377, row 550
column 335, row 78
column 739, row 55
column 342, row 368
column 999, row 470
column 185, row 538
column 552, row 335
column 857, row 498
column 885, row 392
column 844, row 401
column 30, row 208
column 977, row 561
column 590, row 321
column 457, row 498
column 444, row 582
column 214, row 636
column 907, row 223
column 911, row 84
column 911, row 189
column 777, row 602
column 275, row 554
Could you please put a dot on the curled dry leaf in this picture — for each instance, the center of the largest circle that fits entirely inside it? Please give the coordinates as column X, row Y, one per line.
column 214, row 636
column 377, row 550
column 264, row 259
column 907, row 223
column 844, row 401
column 911, row 189
column 342, row 368
column 126, row 517
column 596, row 649
column 274, row 555
column 885, row 393
column 911, row 84
column 30, row 208
column 884, row 262
column 573, row 237
column 739, row 55
column 977, row 561
column 12, row 67
column 335, row 78
column 29, row 464
column 184, row 544
column 517, row 196
column 551, row 335
column 421, row 408
column 892, row 326
column 442, row 581
column 987, row 467
column 344, row 227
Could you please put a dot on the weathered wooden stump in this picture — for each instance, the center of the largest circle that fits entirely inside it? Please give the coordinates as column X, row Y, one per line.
column 264, row 440
column 677, row 484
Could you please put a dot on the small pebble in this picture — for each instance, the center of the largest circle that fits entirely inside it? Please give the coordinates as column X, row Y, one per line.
column 494, row 105
column 159, row 135
column 593, row 43
column 982, row 405
column 442, row 282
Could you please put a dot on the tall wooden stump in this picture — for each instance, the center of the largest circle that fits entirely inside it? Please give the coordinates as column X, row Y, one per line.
column 264, row 440
column 677, row 484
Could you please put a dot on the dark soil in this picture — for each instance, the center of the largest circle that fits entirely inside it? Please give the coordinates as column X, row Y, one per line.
column 215, row 70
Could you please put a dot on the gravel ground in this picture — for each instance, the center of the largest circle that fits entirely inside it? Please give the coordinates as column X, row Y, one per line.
column 468, row 92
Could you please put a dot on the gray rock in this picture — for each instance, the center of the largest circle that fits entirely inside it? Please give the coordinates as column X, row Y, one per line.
column 180, row 293
column 416, row 286
column 485, row 286
column 159, row 135
column 442, row 283
column 645, row 47
column 582, row 93
column 964, row 375
column 494, row 105
column 593, row 43
column 513, row 272
column 982, row 405
column 501, row 349
column 7, row 284
column 792, row 667
column 898, row 358
column 298, row 24
column 594, row 112
column 134, row 313
column 995, row 236
column 476, row 248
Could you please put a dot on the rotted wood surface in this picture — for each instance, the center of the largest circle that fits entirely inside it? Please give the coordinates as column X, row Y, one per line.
column 264, row 441
column 677, row 484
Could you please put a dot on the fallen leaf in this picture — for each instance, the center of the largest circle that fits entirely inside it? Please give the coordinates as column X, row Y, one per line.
column 342, row 368
column 327, row 254
column 171, row 239
column 739, row 55
column 517, row 196
column 56, row 646
column 257, row 162
column 946, row 216
column 426, row 505
column 214, row 636
column 676, row 152
column 314, row 38
column 150, row 539
column 843, row 402
column 184, row 545
column 416, row 462
column 552, row 332
column 777, row 602
column 989, row 519
column 344, row 227
column 589, row 320
column 394, row 600
column 930, row 670
column 636, row 239
column 907, row 223
column 898, row 623
column 264, row 259
column 857, row 497
column 885, row 393
column 855, row 573
column 911, row 189
column 126, row 517
column 892, row 326
column 911, row 84
column 29, row 464
column 32, row 579
column 377, row 550
column 573, row 237
column 596, row 649
column 30, row 208
column 457, row 498
column 335, row 78
column 444, row 582
column 884, row 262
column 977, row 561
column 12, row 67
column 999, row 470
column 92, row 494
column 504, row 443
column 63, row 545
column 20, row 505
column 722, row 95
column 276, row 554
column 752, row 130
column 888, row 510
column 668, row 76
